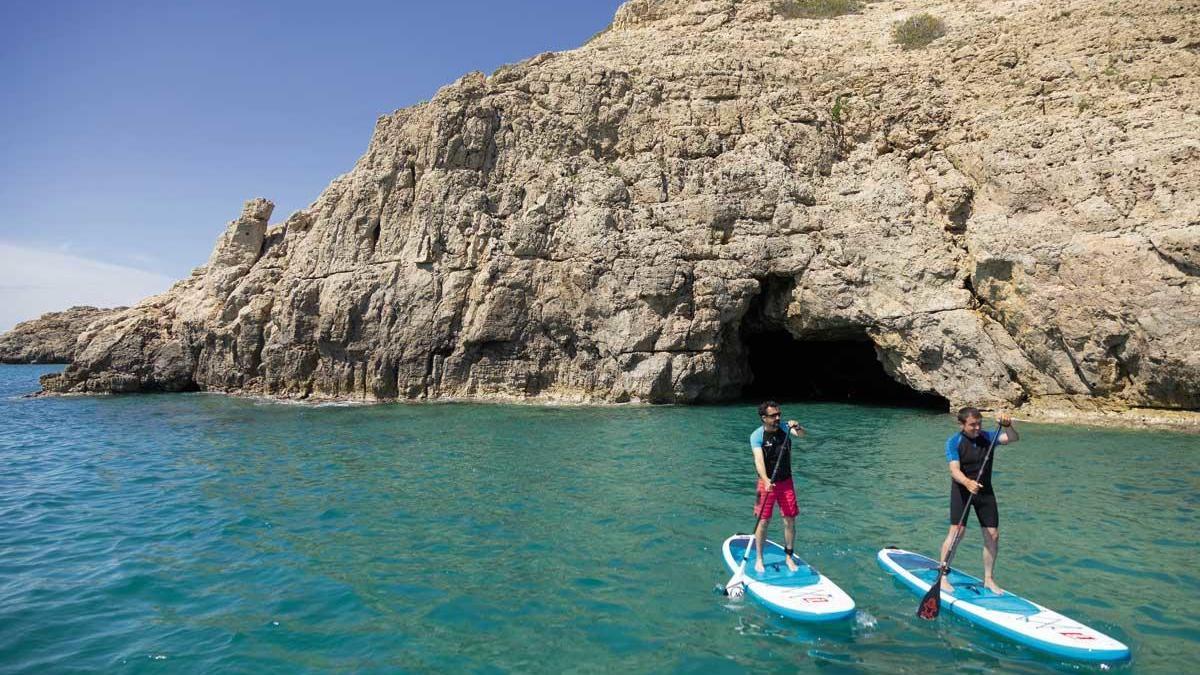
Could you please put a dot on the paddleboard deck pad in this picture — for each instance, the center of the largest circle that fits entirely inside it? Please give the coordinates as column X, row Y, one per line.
column 804, row 595
column 1006, row 614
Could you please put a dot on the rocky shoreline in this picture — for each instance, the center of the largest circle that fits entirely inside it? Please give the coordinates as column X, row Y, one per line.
column 1129, row 418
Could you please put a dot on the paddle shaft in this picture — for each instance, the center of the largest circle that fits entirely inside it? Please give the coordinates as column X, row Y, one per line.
column 962, row 520
column 745, row 555
column 931, row 603
column 754, row 530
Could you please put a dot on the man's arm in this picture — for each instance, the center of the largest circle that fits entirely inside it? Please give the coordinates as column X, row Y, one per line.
column 797, row 430
column 1008, row 433
column 961, row 478
column 956, row 473
column 761, row 467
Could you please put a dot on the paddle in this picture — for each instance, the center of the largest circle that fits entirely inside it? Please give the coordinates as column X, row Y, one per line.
column 740, row 574
column 931, row 604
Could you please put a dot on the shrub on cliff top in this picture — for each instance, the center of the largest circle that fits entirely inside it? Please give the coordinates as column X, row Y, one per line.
column 598, row 34
column 918, row 30
column 814, row 9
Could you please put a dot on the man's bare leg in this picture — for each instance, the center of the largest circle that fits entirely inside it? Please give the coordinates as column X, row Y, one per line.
column 954, row 533
column 789, row 540
column 991, row 547
column 760, row 533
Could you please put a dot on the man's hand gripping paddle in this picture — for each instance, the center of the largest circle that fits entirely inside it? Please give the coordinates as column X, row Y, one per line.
column 931, row 604
column 736, row 585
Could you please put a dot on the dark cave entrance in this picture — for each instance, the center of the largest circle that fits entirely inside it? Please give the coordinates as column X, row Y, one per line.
column 834, row 365
column 844, row 370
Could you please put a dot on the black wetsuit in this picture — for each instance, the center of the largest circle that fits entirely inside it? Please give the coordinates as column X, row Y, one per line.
column 970, row 453
column 780, row 441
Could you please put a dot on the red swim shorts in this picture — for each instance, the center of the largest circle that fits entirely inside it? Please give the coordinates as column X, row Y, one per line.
column 784, row 493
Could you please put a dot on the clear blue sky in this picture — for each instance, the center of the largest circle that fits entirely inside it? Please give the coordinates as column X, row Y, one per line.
column 131, row 132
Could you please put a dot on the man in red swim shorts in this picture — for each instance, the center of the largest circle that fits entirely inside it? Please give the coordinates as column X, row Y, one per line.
column 772, row 448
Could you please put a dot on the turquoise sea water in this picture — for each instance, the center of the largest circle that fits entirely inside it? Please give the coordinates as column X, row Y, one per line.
column 200, row 533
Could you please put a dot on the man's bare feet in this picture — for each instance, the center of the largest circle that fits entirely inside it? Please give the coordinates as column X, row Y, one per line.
column 791, row 563
column 946, row 586
column 990, row 584
column 758, row 566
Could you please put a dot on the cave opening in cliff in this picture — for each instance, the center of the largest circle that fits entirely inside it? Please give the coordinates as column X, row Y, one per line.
column 834, row 365
column 836, row 370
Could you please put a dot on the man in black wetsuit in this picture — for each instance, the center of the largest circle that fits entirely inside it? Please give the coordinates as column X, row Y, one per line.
column 965, row 451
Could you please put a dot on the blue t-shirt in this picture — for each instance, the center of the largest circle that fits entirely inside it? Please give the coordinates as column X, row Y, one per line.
column 952, row 444
column 756, row 438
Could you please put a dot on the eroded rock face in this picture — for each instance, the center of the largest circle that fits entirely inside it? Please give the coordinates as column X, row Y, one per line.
column 51, row 337
column 1010, row 215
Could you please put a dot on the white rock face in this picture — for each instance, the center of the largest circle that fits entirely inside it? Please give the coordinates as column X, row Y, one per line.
column 1010, row 215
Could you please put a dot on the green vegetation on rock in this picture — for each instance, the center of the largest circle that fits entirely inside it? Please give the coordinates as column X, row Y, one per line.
column 814, row 9
column 918, row 30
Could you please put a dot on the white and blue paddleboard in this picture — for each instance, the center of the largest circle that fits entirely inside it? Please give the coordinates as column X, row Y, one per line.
column 1007, row 614
column 804, row 595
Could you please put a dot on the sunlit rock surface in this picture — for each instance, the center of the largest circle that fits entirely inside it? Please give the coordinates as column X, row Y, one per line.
column 1010, row 215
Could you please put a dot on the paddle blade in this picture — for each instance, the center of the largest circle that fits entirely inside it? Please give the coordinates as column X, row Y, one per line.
column 931, row 604
column 736, row 581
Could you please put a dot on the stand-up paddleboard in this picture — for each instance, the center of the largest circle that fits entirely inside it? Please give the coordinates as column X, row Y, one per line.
column 804, row 595
column 1007, row 614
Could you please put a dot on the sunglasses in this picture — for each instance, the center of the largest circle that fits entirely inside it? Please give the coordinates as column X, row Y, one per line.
column 772, row 415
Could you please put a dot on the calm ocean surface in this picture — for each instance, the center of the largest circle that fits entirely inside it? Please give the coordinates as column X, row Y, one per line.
column 199, row 533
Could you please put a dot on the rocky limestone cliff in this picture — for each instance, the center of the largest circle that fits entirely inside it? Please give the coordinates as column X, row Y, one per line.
column 1010, row 215
column 50, row 338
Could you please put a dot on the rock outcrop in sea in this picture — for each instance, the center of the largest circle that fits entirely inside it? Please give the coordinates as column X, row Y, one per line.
column 50, row 338
column 1009, row 215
